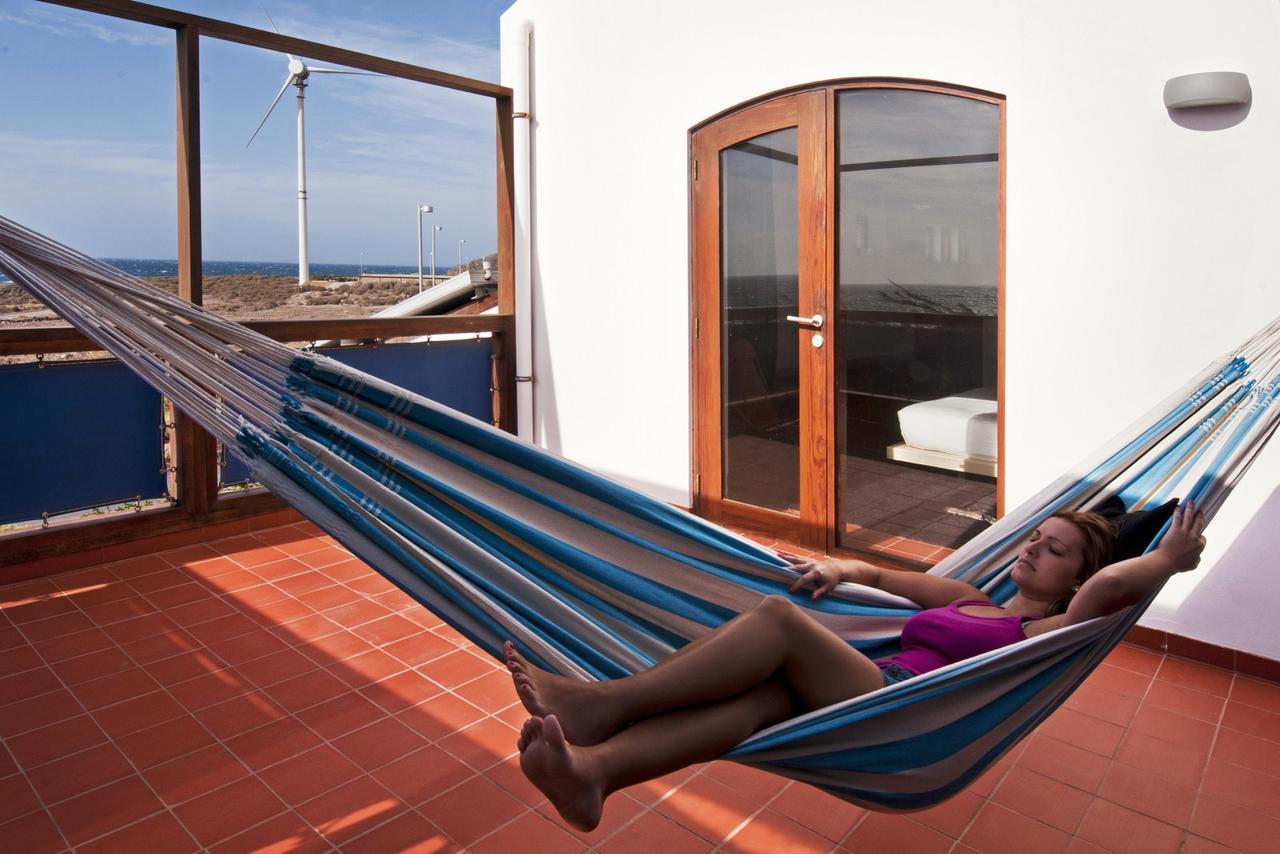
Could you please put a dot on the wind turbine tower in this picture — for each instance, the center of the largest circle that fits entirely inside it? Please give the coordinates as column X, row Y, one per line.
column 297, row 76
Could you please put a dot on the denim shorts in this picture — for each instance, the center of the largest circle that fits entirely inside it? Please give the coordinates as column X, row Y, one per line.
column 895, row 673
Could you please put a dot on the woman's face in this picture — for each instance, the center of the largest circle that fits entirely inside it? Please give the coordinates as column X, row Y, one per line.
column 1049, row 565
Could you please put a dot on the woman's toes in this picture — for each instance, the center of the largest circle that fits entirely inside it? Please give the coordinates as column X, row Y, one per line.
column 552, row 732
column 526, row 735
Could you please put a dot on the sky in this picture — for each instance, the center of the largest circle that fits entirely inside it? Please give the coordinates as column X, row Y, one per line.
column 87, row 134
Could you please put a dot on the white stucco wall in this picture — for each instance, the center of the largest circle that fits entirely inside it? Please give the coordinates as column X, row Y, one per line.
column 1138, row 249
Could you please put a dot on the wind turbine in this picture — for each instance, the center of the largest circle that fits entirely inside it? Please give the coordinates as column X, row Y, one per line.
column 299, row 71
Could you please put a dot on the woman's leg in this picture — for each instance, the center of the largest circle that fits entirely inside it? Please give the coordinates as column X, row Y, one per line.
column 774, row 639
column 578, row 779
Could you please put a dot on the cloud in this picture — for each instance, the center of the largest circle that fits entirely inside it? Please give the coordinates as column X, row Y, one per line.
column 393, row 100
column 460, row 162
column 60, row 155
column 470, row 59
column 405, row 102
column 375, row 148
column 79, row 26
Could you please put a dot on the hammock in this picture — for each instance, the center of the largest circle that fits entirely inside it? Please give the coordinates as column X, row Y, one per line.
column 590, row 578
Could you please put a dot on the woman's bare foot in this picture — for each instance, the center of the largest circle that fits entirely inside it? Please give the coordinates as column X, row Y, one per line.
column 561, row 772
column 577, row 705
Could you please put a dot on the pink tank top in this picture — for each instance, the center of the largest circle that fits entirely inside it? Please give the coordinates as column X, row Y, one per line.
column 939, row 636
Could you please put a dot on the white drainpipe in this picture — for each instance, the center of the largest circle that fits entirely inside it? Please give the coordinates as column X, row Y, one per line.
column 523, row 224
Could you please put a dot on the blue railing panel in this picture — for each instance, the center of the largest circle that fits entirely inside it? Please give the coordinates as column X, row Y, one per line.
column 455, row 373
column 76, row 435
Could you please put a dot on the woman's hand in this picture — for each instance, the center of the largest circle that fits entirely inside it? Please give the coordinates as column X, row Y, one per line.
column 822, row 576
column 1127, row 582
column 1182, row 544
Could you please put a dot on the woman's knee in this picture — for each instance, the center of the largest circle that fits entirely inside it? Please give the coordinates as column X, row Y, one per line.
column 777, row 611
column 778, row 608
column 774, row 701
column 777, row 604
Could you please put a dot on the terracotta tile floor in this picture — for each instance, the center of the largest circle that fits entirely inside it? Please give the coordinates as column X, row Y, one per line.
column 269, row 692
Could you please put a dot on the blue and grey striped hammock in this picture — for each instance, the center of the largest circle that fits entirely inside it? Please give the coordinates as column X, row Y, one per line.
column 591, row 578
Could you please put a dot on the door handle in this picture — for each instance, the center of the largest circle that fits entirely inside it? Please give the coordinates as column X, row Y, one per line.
column 814, row 322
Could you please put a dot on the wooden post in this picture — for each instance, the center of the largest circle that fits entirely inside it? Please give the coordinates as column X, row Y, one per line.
column 506, row 364
column 196, row 452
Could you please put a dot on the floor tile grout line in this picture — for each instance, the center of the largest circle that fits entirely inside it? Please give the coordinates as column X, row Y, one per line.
column 252, row 773
column 650, row 808
column 112, row 741
column 1213, row 743
column 43, row 807
column 289, row 811
column 388, row 714
column 752, row 817
column 1114, row 759
column 139, row 772
column 218, row 740
column 862, row 819
column 1217, row 725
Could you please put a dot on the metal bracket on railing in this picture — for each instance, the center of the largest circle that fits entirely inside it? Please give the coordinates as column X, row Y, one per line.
column 39, row 360
column 44, row 519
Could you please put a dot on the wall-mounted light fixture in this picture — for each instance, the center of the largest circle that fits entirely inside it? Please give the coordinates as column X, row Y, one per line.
column 1207, row 89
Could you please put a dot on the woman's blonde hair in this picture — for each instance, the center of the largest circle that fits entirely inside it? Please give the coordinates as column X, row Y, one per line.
column 1099, row 543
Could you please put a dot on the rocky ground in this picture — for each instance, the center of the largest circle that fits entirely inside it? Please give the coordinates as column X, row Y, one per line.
column 238, row 297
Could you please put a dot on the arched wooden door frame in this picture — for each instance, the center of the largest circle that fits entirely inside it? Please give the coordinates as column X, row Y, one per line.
column 812, row 110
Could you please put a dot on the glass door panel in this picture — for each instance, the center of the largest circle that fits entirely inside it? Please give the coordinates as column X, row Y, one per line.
column 917, row 183
column 759, row 276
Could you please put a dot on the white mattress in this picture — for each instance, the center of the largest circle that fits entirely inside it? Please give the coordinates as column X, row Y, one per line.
column 964, row 424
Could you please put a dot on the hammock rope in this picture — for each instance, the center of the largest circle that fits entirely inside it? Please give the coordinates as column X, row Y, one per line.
column 504, row 540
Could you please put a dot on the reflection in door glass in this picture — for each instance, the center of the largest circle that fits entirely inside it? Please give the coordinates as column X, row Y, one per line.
column 760, row 379
column 916, row 419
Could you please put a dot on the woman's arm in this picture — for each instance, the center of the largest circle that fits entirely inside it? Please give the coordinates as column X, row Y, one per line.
column 927, row 591
column 1129, row 581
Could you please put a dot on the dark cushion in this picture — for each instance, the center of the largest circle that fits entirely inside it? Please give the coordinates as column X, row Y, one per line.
column 1134, row 531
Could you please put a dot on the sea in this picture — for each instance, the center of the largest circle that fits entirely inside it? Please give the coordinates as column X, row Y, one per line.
column 770, row 292
column 145, row 267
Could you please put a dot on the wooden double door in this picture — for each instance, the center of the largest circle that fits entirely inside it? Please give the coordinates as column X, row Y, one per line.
column 846, row 264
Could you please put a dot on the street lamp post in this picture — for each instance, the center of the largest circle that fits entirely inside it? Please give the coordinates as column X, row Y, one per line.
column 421, row 210
column 460, row 242
column 434, row 229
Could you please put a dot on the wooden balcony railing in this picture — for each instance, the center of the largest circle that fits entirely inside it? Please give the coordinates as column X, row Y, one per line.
column 198, row 502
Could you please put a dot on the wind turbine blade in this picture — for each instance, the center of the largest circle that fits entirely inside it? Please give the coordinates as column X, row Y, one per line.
column 269, row 18
column 313, row 69
column 279, row 95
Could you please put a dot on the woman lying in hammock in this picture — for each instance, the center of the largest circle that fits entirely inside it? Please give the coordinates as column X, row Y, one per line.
column 586, row 740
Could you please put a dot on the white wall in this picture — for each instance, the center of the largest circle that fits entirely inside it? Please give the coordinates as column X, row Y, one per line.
column 1137, row 249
